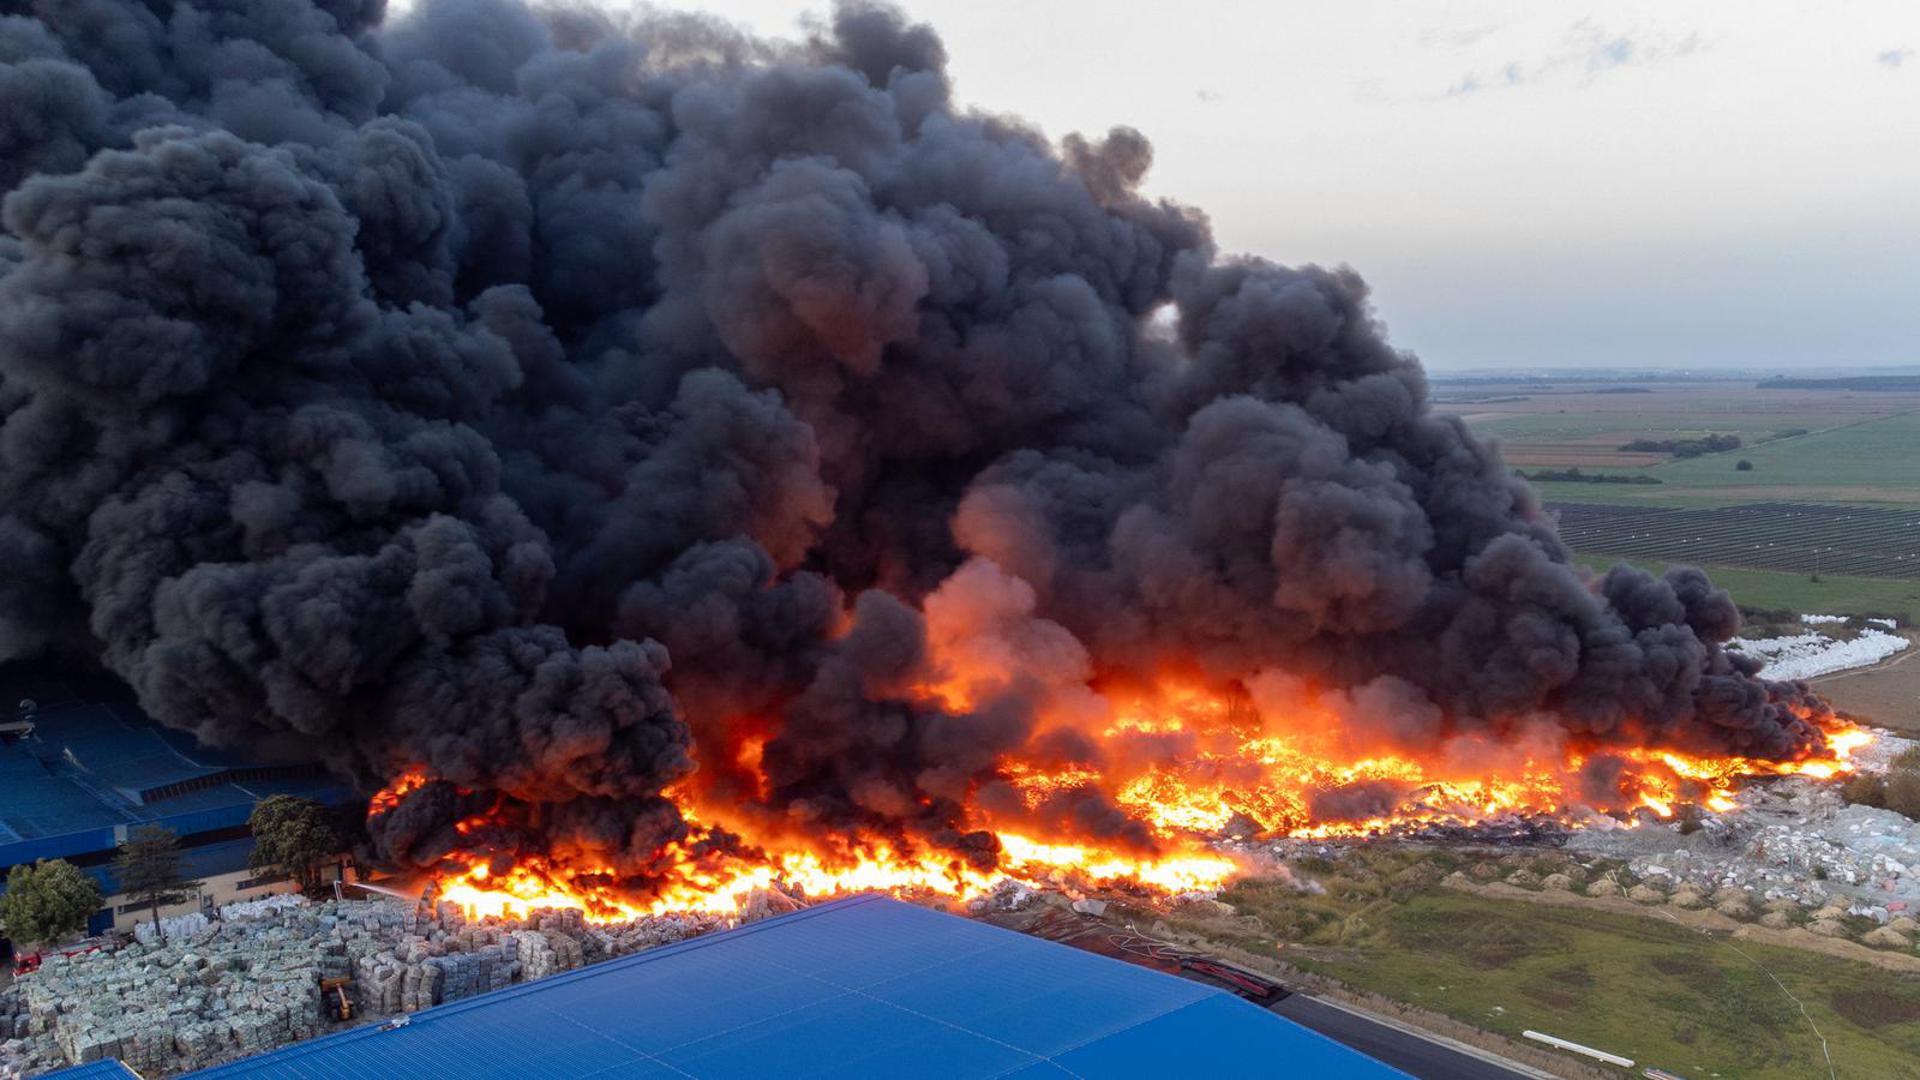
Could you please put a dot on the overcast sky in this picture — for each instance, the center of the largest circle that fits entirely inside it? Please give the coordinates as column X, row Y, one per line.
column 1527, row 183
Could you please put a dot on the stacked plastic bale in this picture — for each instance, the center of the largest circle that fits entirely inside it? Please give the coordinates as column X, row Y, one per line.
column 378, row 982
column 419, row 984
column 621, row 939
column 198, row 1045
column 250, row 981
column 13, row 1014
column 245, row 909
column 537, row 957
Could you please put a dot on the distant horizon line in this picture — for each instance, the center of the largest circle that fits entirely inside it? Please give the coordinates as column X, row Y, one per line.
column 1667, row 371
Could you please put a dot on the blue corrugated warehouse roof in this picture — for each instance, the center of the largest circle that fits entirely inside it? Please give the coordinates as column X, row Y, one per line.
column 198, row 861
column 94, row 1070
column 96, row 762
column 867, row 987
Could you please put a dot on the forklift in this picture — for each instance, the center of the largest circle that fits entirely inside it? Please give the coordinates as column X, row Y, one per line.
column 335, row 1003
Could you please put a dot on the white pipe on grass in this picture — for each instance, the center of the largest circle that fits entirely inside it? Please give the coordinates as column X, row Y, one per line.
column 1564, row 1044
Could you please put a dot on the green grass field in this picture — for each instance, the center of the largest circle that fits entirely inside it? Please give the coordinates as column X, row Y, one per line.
column 1772, row 590
column 1877, row 454
column 1648, row 495
column 1653, row 991
column 1866, row 463
column 1857, row 447
column 1669, row 424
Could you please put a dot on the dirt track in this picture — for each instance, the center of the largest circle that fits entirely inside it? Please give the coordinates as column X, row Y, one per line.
column 1885, row 695
column 1704, row 919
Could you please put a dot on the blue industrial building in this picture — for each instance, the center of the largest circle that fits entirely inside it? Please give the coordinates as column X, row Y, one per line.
column 81, row 764
column 867, row 987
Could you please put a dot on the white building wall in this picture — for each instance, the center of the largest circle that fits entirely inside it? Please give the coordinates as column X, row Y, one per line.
column 215, row 890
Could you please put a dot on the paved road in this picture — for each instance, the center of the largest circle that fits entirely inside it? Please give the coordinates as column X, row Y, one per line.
column 1411, row 1054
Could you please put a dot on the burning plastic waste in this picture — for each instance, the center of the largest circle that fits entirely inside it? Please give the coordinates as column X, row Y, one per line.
column 1264, row 787
column 661, row 461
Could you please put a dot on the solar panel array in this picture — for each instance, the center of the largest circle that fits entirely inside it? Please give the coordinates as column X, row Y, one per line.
column 1797, row 537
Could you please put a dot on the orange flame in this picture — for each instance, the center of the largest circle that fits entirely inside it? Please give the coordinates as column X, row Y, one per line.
column 692, row 887
column 1289, row 768
column 1271, row 768
column 387, row 798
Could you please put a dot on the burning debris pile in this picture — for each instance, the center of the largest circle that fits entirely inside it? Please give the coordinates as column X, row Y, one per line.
column 1794, row 842
column 1787, row 855
column 664, row 462
column 244, row 984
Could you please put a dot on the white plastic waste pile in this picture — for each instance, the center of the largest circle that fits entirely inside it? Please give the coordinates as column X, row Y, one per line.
column 1804, row 656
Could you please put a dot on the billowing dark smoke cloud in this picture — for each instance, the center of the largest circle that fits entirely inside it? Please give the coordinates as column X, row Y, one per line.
column 545, row 398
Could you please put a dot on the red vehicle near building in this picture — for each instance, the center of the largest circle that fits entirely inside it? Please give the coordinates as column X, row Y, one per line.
column 24, row 963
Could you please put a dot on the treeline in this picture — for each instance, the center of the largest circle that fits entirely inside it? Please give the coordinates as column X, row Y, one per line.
column 1575, row 476
column 1685, row 448
column 1472, row 399
column 1890, row 383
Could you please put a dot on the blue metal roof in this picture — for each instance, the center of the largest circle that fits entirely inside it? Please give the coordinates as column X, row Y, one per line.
column 96, row 762
column 200, row 861
column 109, row 1069
column 867, row 987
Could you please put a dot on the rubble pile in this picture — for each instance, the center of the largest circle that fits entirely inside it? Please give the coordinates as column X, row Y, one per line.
column 1793, row 854
column 247, row 981
column 1005, row 896
column 1791, row 839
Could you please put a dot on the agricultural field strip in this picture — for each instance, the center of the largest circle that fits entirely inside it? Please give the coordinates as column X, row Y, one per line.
column 1799, row 537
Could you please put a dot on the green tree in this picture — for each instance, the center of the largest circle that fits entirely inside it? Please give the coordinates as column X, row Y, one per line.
column 294, row 836
column 148, row 866
column 47, row 901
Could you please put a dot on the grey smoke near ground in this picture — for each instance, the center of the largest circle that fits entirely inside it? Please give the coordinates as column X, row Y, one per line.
column 547, row 398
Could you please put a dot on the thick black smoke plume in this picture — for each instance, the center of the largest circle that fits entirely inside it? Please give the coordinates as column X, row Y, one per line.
column 547, row 398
